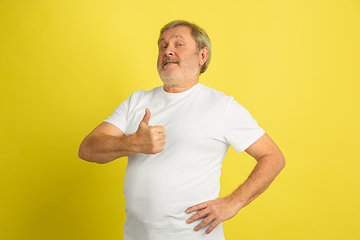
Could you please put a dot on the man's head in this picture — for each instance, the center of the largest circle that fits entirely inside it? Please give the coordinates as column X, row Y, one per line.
column 198, row 34
column 182, row 57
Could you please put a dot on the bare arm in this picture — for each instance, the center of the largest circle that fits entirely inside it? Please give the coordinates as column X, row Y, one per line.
column 107, row 142
column 270, row 161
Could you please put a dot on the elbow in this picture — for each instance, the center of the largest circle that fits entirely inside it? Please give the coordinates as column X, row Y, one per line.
column 82, row 154
column 277, row 162
column 88, row 156
column 85, row 152
column 281, row 162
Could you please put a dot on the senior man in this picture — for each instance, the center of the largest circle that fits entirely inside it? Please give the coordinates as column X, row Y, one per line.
column 176, row 137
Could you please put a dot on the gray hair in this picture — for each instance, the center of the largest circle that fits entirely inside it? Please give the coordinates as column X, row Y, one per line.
column 198, row 34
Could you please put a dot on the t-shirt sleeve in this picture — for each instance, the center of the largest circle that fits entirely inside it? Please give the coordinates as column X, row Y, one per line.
column 240, row 128
column 118, row 117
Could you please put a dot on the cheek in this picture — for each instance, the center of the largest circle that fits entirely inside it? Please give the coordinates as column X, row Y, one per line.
column 158, row 61
column 191, row 62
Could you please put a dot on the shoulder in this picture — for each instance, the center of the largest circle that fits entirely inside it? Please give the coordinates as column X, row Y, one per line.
column 215, row 95
column 140, row 94
column 227, row 102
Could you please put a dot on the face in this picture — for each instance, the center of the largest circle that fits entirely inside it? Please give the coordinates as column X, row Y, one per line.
column 179, row 61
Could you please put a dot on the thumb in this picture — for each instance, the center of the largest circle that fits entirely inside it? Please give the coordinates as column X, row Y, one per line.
column 146, row 117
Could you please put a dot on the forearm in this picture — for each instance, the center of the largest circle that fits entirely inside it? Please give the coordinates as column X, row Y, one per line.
column 265, row 171
column 270, row 161
column 102, row 148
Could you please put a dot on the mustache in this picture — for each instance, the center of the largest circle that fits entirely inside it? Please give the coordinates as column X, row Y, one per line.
column 169, row 59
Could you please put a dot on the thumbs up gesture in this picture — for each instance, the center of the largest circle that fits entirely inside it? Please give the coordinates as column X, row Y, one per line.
column 149, row 139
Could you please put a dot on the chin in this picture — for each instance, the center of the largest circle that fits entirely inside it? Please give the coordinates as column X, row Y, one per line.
column 168, row 79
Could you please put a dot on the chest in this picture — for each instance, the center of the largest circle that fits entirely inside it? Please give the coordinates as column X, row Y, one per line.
column 186, row 122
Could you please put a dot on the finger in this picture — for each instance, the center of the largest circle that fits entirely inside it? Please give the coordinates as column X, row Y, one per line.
column 162, row 142
column 196, row 207
column 203, row 223
column 159, row 128
column 146, row 117
column 198, row 215
column 160, row 149
column 162, row 136
column 212, row 227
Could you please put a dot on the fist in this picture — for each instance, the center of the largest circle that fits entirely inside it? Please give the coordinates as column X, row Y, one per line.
column 150, row 139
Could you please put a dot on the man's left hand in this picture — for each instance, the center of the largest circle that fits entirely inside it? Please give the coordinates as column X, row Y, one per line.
column 215, row 211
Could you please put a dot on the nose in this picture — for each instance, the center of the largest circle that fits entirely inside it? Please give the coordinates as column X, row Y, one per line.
column 169, row 51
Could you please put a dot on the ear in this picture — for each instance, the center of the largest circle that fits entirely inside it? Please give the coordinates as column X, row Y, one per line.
column 203, row 55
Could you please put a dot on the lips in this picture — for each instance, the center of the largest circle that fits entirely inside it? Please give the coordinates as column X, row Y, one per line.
column 168, row 61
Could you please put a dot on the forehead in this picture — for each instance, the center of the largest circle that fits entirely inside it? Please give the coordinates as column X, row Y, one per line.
column 179, row 32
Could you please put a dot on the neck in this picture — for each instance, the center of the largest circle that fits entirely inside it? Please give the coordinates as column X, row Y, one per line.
column 179, row 88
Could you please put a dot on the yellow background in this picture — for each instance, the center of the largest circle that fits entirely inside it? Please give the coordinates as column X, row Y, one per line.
column 66, row 65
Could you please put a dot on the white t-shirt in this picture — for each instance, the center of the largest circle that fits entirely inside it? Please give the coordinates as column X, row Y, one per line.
column 200, row 125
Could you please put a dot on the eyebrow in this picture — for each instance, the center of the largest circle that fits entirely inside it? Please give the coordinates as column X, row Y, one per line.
column 177, row 36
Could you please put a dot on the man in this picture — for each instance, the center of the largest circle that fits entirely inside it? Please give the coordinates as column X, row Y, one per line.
column 172, row 180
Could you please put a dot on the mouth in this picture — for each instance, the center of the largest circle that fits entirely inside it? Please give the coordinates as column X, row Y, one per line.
column 168, row 63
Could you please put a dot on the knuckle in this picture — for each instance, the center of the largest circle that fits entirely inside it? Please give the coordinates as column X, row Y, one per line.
column 212, row 209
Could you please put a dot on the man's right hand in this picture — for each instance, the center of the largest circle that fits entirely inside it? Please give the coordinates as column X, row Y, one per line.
column 107, row 142
column 149, row 139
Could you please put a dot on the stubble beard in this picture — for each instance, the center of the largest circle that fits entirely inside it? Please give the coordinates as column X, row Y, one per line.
column 175, row 79
column 168, row 78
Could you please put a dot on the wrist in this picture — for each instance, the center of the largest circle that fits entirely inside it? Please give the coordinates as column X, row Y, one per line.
column 237, row 200
column 133, row 143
